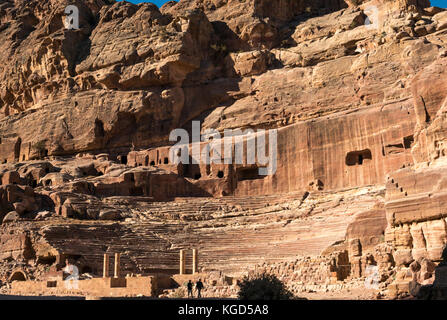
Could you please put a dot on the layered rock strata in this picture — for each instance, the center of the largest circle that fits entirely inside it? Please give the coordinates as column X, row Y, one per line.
column 357, row 97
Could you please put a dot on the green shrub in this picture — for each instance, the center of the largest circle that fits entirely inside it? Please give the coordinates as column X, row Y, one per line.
column 263, row 287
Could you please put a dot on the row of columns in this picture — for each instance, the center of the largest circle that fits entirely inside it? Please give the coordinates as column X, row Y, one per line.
column 105, row 270
column 195, row 261
column 117, row 271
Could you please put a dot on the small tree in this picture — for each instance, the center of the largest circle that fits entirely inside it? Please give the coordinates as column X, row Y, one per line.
column 263, row 287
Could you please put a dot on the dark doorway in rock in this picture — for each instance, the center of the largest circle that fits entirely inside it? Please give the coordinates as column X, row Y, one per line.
column 17, row 147
column 358, row 157
column 17, row 276
column 99, row 128
column 408, row 142
column 249, row 174
column 191, row 171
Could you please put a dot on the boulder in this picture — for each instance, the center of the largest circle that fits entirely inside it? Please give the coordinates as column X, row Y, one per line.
column 11, row 217
column 110, row 215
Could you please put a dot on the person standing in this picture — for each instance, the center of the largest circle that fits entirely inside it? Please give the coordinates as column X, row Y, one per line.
column 199, row 287
column 189, row 285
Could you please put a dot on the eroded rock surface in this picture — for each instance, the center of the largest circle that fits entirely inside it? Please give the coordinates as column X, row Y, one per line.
column 85, row 117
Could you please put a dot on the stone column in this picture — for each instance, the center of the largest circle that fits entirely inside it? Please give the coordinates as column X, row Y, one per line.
column 117, row 265
column 195, row 261
column 105, row 270
column 182, row 262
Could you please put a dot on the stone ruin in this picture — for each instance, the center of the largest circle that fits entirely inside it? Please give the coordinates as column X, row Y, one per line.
column 85, row 119
column 436, row 290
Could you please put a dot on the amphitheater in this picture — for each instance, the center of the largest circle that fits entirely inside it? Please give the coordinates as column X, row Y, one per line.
column 87, row 171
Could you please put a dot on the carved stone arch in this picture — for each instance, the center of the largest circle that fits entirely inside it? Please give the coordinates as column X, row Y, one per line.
column 18, row 275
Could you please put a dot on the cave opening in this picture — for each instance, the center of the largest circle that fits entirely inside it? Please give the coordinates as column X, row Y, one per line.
column 408, row 142
column 17, row 276
column 358, row 157
column 191, row 171
column 249, row 174
column 99, row 128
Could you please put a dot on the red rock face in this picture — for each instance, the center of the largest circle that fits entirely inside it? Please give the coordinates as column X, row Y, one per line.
column 415, row 195
column 85, row 119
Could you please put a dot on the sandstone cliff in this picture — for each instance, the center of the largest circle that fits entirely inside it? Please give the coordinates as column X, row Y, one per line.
column 356, row 90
